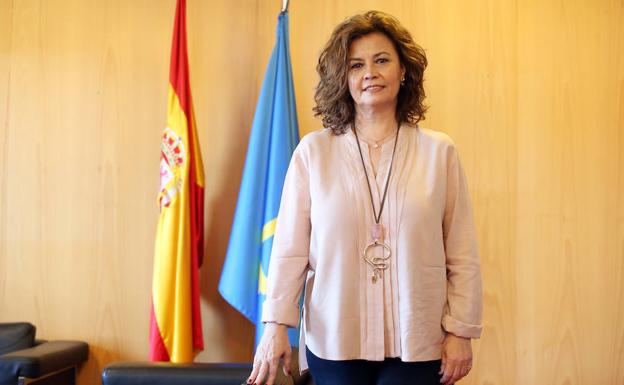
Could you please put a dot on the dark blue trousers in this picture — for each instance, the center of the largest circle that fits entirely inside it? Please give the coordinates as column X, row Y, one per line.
column 391, row 371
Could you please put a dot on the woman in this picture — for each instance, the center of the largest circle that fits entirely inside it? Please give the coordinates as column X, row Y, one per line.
column 376, row 219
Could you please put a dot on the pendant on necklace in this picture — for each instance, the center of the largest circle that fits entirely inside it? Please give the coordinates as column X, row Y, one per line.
column 377, row 247
column 379, row 264
column 377, row 232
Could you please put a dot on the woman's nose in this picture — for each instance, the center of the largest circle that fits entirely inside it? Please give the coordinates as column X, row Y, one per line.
column 369, row 73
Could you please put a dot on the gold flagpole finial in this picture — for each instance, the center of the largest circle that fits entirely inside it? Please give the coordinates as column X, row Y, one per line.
column 284, row 5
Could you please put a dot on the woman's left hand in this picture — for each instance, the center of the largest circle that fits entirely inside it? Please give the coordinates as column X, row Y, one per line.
column 456, row 359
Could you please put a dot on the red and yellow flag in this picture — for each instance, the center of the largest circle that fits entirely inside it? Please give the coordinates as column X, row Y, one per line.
column 175, row 320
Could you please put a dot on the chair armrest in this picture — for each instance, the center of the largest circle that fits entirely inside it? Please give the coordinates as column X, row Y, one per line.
column 43, row 359
column 160, row 373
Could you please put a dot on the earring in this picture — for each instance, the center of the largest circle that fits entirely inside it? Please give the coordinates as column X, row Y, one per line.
column 403, row 80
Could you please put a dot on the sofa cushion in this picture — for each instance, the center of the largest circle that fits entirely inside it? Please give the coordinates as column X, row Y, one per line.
column 16, row 336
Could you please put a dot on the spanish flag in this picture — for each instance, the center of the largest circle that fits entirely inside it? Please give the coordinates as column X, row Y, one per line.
column 175, row 320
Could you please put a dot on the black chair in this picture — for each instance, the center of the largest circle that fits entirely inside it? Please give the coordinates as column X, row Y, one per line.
column 149, row 373
column 25, row 360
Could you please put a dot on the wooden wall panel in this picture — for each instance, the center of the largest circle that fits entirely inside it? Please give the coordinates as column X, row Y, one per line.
column 570, row 210
column 78, row 186
column 531, row 91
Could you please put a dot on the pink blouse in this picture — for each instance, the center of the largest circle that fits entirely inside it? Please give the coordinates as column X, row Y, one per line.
column 433, row 281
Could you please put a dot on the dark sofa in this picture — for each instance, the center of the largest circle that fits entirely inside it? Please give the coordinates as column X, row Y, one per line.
column 144, row 373
column 25, row 360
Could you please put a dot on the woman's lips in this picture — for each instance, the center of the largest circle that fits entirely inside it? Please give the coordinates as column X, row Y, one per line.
column 373, row 88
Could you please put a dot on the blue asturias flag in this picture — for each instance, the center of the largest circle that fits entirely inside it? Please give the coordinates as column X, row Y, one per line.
column 274, row 136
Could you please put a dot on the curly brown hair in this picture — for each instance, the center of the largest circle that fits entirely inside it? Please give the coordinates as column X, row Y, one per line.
column 333, row 100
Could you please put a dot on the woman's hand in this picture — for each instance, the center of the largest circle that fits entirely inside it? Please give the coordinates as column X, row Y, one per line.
column 456, row 358
column 273, row 347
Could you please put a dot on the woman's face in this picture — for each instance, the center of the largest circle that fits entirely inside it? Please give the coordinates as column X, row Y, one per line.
column 375, row 72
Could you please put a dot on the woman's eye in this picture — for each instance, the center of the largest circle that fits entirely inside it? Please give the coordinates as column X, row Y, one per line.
column 356, row 65
column 382, row 60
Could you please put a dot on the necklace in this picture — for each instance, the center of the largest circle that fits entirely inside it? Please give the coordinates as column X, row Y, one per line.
column 379, row 264
column 376, row 143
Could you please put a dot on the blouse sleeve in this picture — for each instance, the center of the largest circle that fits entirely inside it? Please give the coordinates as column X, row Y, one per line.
column 463, row 313
column 291, row 245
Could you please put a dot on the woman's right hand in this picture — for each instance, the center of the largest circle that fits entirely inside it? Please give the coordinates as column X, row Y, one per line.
column 273, row 348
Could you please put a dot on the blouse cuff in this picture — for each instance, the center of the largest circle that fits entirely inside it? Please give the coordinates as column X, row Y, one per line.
column 461, row 329
column 280, row 311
